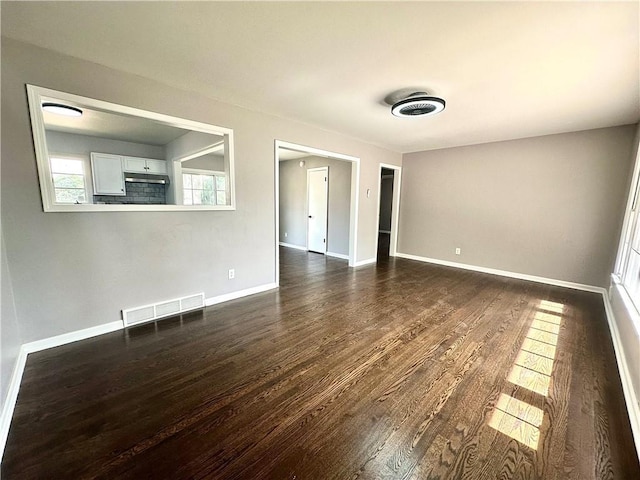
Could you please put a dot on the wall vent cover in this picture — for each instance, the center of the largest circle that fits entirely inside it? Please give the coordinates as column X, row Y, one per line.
column 147, row 313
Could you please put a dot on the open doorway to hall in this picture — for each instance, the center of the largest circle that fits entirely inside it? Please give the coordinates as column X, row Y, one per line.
column 386, row 208
column 388, row 202
column 316, row 202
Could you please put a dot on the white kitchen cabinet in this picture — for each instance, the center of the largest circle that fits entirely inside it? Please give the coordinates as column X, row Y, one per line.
column 107, row 174
column 158, row 167
column 145, row 165
column 135, row 164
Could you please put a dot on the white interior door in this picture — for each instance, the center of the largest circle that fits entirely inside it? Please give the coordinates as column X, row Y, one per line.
column 317, row 202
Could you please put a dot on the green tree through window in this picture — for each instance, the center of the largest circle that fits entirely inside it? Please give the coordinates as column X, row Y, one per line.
column 68, row 180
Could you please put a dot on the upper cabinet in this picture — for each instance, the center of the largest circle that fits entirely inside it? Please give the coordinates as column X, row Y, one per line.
column 108, row 171
column 145, row 165
column 108, row 178
column 196, row 159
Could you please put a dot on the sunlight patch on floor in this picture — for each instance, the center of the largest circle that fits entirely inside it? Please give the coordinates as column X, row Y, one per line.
column 531, row 370
column 518, row 420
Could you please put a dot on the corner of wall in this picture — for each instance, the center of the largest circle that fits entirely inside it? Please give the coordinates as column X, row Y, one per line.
column 620, row 315
column 12, row 355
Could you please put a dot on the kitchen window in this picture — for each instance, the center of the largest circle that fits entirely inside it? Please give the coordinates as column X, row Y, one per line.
column 204, row 188
column 69, row 180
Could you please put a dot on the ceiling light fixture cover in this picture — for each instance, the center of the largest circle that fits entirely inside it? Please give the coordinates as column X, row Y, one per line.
column 418, row 104
column 61, row 109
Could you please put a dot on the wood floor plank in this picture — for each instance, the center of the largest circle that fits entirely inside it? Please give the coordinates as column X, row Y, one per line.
column 395, row 371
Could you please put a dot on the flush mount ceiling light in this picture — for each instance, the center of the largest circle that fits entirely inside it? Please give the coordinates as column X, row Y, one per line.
column 418, row 104
column 60, row 109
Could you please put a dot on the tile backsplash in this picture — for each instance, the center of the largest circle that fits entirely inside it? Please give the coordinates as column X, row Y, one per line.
column 137, row 193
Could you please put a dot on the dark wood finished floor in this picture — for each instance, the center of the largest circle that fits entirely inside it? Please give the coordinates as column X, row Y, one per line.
column 396, row 371
column 384, row 240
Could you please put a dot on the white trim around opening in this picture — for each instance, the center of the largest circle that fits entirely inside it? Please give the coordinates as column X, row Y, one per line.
column 355, row 191
column 395, row 207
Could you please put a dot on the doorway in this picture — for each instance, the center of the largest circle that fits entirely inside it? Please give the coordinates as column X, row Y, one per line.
column 317, row 209
column 292, row 204
column 388, row 207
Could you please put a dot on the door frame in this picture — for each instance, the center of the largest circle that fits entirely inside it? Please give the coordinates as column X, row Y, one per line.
column 395, row 207
column 355, row 194
column 326, row 189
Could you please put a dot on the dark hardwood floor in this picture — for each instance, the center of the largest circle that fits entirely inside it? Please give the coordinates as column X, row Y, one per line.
column 384, row 241
column 397, row 371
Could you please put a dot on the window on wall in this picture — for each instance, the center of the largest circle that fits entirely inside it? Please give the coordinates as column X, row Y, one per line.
column 201, row 188
column 628, row 262
column 69, row 180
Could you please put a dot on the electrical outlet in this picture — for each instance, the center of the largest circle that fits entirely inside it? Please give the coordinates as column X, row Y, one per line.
column 285, row 234
column 457, row 251
column 232, row 273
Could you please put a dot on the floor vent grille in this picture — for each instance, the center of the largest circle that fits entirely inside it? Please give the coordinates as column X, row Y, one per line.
column 148, row 313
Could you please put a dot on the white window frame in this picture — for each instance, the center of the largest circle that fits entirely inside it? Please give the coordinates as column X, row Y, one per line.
column 86, row 173
column 209, row 173
column 630, row 240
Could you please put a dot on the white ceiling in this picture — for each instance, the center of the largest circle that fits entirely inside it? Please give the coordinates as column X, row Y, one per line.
column 506, row 69
column 289, row 154
column 114, row 126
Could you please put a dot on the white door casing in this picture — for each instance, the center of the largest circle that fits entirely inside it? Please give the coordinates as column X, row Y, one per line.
column 355, row 196
column 317, row 208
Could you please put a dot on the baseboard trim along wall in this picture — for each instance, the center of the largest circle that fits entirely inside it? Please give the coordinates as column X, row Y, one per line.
column 58, row 340
column 12, row 397
column 291, row 245
column 240, row 293
column 368, row 261
column 329, row 254
column 504, row 273
column 630, row 395
column 31, row 347
column 71, row 337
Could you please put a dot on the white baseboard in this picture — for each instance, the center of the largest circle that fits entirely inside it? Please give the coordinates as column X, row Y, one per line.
column 12, row 397
column 299, row 247
column 337, row 255
column 505, row 273
column 291, row 245
column 71, row 337
column 630, row 395
column 238, row 294
column 38, row 345
column 58, row 340
column 368, row 261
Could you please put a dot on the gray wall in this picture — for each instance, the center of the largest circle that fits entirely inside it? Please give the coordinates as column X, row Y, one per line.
column 10, row 339
column 183, row 146
column 293, row 190
column 206, row 162
column 293, row 201
column 77, row 270
column 61, row 142
column 548, row 206
column 190, row 143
